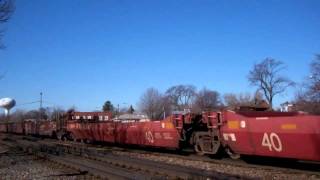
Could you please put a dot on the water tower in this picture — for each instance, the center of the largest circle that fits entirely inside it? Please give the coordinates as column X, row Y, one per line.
column 7, row 104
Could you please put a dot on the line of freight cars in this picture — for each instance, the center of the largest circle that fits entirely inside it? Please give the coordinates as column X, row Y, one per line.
column 274, row 134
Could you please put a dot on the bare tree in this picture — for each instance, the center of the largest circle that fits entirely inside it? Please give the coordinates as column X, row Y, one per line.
column 56, row 113
column 303, row 103
column 308, row 99
column 207, row 100
column 181, row 96
column 152, row 103
column 234, row 101
column 314, row 80
column 18, row 115
column 266, row 76
column 6, row 10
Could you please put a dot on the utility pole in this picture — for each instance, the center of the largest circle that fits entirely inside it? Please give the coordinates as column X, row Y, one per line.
column 118, row 110
column 40, row 111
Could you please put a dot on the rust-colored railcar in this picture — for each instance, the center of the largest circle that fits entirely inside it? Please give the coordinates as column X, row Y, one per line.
column 46, row 128
column 274, row 134
column 40, row 128
column 18, row 127
column 30, row 127
column 3, row 127
column 152, row 133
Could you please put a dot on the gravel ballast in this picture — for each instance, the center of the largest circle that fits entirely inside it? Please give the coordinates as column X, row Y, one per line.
column 15, row 164
column 255, row 173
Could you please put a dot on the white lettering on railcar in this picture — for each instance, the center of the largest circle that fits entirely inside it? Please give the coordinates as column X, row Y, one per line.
column 167, row 136
column 231, row 136
column 243, row 124
column 272, row 141
column 163, row 125
column 225, row 137
column 262, row 118
column 149, row 137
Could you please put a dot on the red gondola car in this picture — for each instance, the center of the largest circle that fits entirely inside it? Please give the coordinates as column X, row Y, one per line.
column 142, row 133
column 46, row 128
column 273, row 134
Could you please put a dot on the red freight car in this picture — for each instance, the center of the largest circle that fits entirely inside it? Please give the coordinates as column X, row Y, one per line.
column 42, row 128
column 10, row 127
column 30, row 126
column 3, row 127
column 274, row 134
column 145, row 133
column 46, row 128
column 15, row 127
column 82, row 125
column 18, row 127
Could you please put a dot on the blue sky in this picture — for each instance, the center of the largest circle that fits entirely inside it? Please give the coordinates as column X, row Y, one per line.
column 82, row 52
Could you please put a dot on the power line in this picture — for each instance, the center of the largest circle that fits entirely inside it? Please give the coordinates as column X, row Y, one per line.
column 28, row 103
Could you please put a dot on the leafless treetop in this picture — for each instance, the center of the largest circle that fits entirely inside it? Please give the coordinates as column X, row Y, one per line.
column 6, row 10
column 314, row 84
column 207, row 100
column 151, row 103
column 181, row 96
column 266, row 75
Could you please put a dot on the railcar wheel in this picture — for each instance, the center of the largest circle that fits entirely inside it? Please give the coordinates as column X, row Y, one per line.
column 64, row 138
column 231, row 154
column 54, row 135
column 60, row 136
column 87, row 141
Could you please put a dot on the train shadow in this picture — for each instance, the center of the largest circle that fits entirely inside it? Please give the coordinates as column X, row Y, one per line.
column 282, row 163
column 138, row 148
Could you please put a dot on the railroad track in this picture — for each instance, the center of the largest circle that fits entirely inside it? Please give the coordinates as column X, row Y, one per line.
column 268, row 164
column 108, row 155
column 111, row 166
column 289, row 167
column 311, row 168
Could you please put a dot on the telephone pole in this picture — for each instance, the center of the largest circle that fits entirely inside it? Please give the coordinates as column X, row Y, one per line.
column 40, row 110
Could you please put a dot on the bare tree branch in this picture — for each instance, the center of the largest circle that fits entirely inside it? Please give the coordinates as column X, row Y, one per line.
column 266, row 75
column 153, row 103
column 6, row 10
column 207, row 100
column 181, row 96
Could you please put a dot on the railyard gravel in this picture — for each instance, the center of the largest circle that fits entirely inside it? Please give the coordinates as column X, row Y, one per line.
column 255, row 173
column 17, row 165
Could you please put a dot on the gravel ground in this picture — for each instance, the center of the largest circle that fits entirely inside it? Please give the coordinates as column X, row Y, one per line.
column 28, row 167
column 19, row 165
column 223, row 168
column 22, row 166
